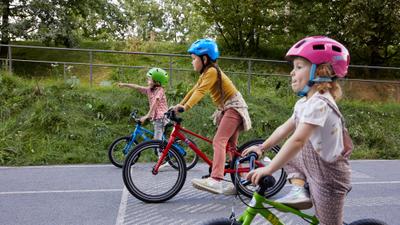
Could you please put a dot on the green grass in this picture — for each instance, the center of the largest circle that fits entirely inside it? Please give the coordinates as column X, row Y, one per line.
column 51, row 122
column 45, row 119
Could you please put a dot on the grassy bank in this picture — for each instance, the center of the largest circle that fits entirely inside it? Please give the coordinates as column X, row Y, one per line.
column 53, row 122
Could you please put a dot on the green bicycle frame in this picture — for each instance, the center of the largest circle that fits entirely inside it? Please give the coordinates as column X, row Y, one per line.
column 257, row 207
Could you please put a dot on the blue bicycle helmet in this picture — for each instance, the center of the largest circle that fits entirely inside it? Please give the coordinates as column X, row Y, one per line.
column 205, row 47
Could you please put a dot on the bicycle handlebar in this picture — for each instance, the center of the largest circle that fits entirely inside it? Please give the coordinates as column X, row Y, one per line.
column 251, row 157
column 267, row 182
column 170, row 114
column 133, row 116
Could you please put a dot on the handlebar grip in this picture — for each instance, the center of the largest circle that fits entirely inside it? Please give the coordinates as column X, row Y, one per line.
column 267, row 181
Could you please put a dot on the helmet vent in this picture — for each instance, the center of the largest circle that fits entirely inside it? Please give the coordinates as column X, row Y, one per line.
column 336, row 48
column 300, row 44
column 318, row 47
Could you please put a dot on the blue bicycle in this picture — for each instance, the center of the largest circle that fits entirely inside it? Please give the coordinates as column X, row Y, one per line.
column 120, row 147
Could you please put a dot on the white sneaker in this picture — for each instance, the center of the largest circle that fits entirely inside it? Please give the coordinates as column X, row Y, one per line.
column 209, row 184
column 298, row 198
column 216, row 187
column 229, row 189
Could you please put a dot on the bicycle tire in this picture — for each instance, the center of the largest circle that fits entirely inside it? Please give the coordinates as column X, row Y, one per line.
column 190, row 161
column 368, row 221
column 112, row 151
column 280, row 175
column 137, row 173
column 222, row 221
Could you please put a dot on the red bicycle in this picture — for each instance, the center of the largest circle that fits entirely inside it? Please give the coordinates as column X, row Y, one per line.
column 144, row 179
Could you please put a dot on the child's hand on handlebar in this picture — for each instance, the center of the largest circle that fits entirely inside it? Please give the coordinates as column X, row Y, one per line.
column 178, row 108
column 257, row 149
column 255, row 175
column 143, row 119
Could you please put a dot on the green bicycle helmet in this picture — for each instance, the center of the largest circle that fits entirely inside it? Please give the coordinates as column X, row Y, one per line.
column 159, row 75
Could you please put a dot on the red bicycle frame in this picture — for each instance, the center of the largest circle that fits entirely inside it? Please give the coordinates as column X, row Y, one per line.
column 178, row 132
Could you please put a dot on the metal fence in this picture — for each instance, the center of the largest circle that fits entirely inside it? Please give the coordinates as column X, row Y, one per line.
column 248, row 69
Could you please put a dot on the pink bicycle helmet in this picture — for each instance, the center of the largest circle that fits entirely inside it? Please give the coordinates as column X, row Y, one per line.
column 320, row 49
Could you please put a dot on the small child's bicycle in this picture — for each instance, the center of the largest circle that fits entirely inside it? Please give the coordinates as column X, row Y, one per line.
column 258, row 204
column 144, row 180
column 121, row 146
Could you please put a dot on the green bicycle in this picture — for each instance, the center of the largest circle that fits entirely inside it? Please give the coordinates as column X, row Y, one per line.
column 257, row 206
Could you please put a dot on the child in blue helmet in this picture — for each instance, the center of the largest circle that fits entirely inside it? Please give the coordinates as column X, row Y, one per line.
column 231, row 115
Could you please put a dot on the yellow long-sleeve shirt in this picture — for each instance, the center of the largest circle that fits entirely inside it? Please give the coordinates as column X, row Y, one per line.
column 208, row 82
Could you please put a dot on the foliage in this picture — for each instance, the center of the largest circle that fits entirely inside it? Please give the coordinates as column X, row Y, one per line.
column 242, row 24
column 61, row 22
column 262, row 28
column 368, row 28
column 49, row 122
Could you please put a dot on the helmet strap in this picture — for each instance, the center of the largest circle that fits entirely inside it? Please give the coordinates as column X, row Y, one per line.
column 322, row 79
column 310, row 82
column 204, row 65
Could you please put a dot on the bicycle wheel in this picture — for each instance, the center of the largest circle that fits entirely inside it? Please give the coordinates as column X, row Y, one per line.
column 222, row 221
column 368, row 222
column 117, row 150
column 280, row 175
column 139, row 178
column 190, row 157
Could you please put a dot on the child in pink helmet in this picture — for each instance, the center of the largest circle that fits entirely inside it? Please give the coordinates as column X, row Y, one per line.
column 315, row 152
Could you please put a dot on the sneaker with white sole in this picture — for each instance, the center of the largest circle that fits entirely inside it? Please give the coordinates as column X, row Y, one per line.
column 209, row 184
column 298, row 198
column 214, row 186
column 229, row 189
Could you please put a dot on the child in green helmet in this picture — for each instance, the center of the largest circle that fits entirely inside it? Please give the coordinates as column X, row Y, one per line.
column 157, row 78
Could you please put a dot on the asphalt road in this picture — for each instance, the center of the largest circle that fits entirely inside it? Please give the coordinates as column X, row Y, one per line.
column 95, row 195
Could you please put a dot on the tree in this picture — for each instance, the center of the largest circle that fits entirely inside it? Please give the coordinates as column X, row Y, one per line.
column 370, row 29
column 60, row 21
column 242, row 23
column 181, row 23
column 373, row 28
column 144, row 17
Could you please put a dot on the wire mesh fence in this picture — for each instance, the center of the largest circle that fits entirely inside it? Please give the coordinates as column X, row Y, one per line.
column 101, row 69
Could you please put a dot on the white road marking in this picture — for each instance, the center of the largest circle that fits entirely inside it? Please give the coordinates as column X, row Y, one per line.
column 122, row 207
column 56, row 166
column 58, row 191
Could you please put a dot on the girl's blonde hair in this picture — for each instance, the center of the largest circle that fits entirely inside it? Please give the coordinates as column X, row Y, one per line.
column 326, row 70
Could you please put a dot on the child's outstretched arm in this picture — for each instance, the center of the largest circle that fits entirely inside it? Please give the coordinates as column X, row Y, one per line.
column 133, row 86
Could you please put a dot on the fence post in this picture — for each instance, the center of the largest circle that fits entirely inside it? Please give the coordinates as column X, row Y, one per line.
column 65, row 72
column 91, row 67
column 249, row 77
column 9, row 60
column 170, row 71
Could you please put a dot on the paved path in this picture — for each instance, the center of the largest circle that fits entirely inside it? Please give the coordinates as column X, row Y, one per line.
column 94, row 195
